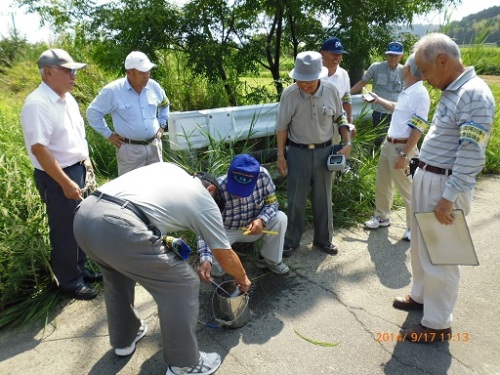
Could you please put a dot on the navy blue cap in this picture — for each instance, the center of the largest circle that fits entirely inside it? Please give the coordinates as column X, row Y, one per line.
column 394, row 48
column 334, row 45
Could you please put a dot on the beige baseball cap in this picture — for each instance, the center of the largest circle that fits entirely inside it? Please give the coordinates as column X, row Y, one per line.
column 58, row 57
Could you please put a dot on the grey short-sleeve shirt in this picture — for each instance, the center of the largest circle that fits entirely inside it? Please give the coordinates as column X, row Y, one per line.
column 387, row 83
column 173, row 200
column 309, row 118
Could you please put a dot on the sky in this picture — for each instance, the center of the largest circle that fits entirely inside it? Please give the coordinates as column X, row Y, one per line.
column 29, row 25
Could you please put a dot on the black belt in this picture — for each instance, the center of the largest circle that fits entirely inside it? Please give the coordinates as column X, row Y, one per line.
column 132, row 142
column 432, row 169
column 124, row 204
column 311, row 146
column 397, row 140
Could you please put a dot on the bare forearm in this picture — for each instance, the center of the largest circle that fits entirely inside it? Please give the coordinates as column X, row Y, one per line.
column 412, row 141
column 357, row 87
column 230, row 263
column 348, row 111
column 390, row 106
column 53, row 169
column 281, row 137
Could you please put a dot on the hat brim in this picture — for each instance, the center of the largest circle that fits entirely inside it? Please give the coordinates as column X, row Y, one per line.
column 393, row 53
column 342, row 51
column 74, row 65
column 146, row 67
column 308, row 77
column 239, row 190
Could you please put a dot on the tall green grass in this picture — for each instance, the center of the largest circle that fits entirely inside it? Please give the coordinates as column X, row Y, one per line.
column 25, row 273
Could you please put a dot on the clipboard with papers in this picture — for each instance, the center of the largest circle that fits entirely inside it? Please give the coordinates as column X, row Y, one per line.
column 447, row 244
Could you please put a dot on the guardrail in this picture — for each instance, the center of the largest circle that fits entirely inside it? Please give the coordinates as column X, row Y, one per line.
column 192, row 130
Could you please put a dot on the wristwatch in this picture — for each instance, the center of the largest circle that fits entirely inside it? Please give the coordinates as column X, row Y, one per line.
column 403, row 154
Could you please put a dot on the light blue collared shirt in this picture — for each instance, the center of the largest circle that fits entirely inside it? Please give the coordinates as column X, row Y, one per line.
column 135, row 116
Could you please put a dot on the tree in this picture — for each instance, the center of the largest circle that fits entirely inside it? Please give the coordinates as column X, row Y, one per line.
column 213, row 34
column 366, row 27
column 225, row 39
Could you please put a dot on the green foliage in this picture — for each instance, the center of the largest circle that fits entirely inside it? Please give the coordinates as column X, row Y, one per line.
column 24, row 250
column 485, row 59
column 225, row 40
column 119, row 27
column 493, row 150
column 467, row 30
column 10, row 48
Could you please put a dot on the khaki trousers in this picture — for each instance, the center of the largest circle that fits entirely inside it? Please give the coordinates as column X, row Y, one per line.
column 130, row 157
column 388, row 177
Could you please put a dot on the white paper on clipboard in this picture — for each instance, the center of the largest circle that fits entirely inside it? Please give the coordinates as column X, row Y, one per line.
column 447, row 244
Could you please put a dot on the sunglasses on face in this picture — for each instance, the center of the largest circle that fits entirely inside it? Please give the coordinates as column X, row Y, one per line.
column 70, row 72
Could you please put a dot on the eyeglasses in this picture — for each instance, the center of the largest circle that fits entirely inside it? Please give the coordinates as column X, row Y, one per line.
column 71, row 72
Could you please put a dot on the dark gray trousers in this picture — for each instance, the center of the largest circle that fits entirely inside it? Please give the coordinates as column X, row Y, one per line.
column 307, row 172
column 67, row 259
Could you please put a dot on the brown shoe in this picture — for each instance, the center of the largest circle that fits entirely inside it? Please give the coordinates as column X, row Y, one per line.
column 407, row 303
column 424, row 335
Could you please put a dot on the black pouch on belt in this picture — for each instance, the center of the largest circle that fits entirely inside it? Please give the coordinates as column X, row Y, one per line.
column 413, row 166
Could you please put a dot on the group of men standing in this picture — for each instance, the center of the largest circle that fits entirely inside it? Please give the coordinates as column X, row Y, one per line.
column 121, row 226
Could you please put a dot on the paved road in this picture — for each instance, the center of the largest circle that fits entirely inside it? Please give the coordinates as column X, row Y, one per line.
column 343, row 300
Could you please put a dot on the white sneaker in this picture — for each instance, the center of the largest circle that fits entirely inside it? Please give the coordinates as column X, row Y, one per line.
column 377, row 221
column 407, row 235
column 207, row 364
column 279, row 268
column 123, row 352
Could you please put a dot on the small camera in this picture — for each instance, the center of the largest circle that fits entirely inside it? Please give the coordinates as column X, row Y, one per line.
column 336, row 162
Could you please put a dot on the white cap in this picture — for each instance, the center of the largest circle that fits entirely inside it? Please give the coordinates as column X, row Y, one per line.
column 138, row 60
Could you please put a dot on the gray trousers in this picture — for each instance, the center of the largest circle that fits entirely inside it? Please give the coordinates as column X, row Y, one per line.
column 127, row 252
column 272, row 244
column 307, row 172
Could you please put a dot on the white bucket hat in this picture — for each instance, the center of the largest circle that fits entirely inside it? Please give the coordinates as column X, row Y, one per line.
column 308, row 67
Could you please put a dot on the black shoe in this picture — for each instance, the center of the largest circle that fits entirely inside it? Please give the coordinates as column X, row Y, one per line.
column 329, row 249
column 91, row 277
column 287, row 251
column 82, row 291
